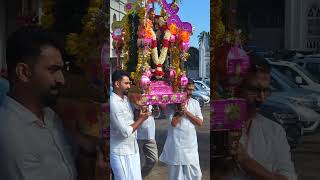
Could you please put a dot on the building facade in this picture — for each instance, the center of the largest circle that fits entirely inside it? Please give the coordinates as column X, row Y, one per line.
column 302, row 25
column 204, row 58
column 282, row 24
column 117, row 12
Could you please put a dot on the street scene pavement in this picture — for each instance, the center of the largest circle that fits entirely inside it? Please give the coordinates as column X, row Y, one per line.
column 307, row 157
column 160, row 170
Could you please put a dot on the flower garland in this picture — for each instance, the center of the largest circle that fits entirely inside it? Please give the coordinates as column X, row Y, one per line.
column 126, row 33
column 47, row 18
column 176, row 63
column 163, row 52
column 94, row 32
column 218, row 30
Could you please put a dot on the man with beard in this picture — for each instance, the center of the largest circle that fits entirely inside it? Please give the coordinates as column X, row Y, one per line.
column 180, row 151
column 32, row 140
column 263, row 151
column 124, row 150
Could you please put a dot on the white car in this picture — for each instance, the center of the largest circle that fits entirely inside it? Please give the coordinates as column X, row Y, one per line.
column 297, row 74
column 202, row 85
column 311, row 64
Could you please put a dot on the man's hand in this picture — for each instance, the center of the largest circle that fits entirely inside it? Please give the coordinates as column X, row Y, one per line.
column 144, row 113
column 242, row 156
column 184, row 109
column 156, row 111
column 253, row 168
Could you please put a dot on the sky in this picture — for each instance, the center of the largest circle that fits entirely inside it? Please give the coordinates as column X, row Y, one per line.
column 196, row 12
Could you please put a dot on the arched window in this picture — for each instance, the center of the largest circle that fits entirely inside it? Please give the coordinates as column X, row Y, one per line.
column 313, row 27
column 114, row 17
column 313, row 19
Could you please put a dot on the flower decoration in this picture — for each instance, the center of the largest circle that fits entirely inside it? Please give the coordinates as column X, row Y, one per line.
column 232, row 112
column 128, row 7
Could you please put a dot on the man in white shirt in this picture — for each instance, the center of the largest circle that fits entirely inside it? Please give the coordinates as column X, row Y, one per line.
column 124, row 150
column 33, row 144
column 147, row 142
column 263, row 152
column 180, row 151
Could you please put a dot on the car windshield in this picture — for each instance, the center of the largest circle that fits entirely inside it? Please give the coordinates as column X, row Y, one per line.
column 207, row 82
column 199, row 87
column 283, row 78
column 306, row 72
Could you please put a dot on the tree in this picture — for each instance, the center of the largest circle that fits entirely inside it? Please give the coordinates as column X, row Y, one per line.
column 202, row 35
column 193, row 61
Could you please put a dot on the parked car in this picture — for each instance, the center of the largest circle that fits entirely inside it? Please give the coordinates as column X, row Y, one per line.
column 287, row 118
column 207, row 81
column 201, row 98
column 305, row 102
column 311, row 64
column 296, row 74
column 201, row 92
column 200, row 85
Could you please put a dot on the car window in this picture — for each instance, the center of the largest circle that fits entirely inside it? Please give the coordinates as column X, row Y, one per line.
column 314, row 69
column 275, row 86
column 307, row 73
column 206, row 82
column 288, row 73
column 284, row 79
column 198, row 86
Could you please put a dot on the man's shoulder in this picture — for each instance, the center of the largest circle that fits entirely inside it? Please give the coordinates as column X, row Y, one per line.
column 268, row 124
column 194, row 101
column 8, row 115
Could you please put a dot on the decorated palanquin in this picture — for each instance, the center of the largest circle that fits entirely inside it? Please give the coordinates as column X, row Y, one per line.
column 154, row 49
column 229, row 112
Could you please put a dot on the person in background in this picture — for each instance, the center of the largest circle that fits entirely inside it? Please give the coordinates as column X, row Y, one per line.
column 180, row 151
column 124, row 150
column 33, row 143
column 147, row 142
column 263, row 151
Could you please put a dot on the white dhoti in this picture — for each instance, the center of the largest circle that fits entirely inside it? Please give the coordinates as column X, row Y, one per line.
column 184, row 172
column 126, row 167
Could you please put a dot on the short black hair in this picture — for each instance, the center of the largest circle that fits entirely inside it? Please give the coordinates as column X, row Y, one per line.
column 118, row 75
column 24, row 45
column 258, row 64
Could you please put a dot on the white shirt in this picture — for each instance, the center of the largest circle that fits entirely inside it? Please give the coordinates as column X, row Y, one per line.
column 147, row 128
column 31, row 149
column 267, row 144
column 181, row 146
column 123, row 141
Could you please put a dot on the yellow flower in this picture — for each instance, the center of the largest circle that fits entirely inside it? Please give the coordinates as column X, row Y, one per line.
column 47, row 20
column 72, row 42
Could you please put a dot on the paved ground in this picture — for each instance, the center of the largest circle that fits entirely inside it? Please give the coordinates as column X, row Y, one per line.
column 307, row 158
column 203, row 132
